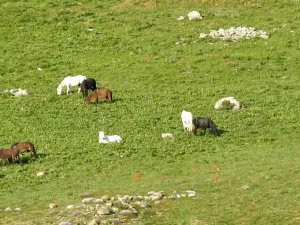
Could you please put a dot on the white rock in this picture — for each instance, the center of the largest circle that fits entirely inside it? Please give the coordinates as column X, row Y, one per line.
column 180, row 18
column 41, row 173
column 7, row 209
column 65, row 223
column 87, row 200
column 70, row 206
column 18, row 209
column 194, row 15
column 52, row 206
column 167, row 136
column 103, row 211
column 232, row 100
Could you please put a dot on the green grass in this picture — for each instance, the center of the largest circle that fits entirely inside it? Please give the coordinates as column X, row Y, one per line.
column 132, row 51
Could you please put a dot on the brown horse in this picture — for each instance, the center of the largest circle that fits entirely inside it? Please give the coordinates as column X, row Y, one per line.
column 25, row 147
column 99, row 94
column 9, row 154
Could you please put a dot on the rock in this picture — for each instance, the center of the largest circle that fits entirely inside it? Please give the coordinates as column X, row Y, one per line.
column 103, row 211
column 167, row 136
column 65, row 223
column 87, row 200
column 84, row 195
column 194, row 15
column 41, row 173
column 94, row 222
column 232, row 103
column 191, row 194
column 115, row 209
column 18, row 209
column 70, row 206
column 98, row 201
column 105, row 197
column 180, row 18
column 128, row 212
column 7, row 209
column 52, row 206
column 116, row 221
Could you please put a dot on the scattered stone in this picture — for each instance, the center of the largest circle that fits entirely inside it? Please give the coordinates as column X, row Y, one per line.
column 127, row 212
column 236, row 33
column 190, row 193
column 194, row 15
column 41, row 174
column 105, row 197
column 84, row 195
column 98, row 200
column 52, row 206
column 7, row 209
column 87, row 200
column 17, row 92
column 65, row 223
column 167, row 136
column 18, row 209
column 116, row 221
column 227, row 103
column 180, row 18
column 95, row 222
column 103, row 211
column 70, row 206
column 39, row 69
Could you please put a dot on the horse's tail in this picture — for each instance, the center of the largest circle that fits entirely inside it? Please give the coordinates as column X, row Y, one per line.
column 213, row 128
column 109, row 97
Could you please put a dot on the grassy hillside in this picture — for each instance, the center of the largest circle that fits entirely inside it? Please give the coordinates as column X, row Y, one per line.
column 250, row 175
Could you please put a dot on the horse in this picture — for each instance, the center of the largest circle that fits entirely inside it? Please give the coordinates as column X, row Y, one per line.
column 186, row 118
column 109, row 139
column 70, row 81
column 205, row 123
column 10, row 155
column 99, row 94
column 88, row 84
column 25, row 147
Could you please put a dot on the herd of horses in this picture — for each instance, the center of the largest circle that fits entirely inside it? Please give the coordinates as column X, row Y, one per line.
column 85, row 84
column 13, row 153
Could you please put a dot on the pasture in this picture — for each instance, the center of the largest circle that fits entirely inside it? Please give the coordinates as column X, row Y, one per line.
column 249, row 175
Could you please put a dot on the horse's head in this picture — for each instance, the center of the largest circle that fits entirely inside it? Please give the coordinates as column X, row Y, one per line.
column 59, row 89
column 101, row 135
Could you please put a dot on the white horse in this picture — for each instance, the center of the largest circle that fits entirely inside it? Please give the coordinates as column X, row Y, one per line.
column 187, row 120
column 70, row 81
column 109, row 139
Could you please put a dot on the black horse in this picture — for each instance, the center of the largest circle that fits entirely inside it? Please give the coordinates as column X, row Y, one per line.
column 205, row 123
column 86, row 85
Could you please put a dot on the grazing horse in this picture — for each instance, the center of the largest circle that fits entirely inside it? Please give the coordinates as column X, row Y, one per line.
column 109, row 138
column 205, row 123
column 9, row 154
column 25, row 147
column 70, row 81
column 186, row 118
column 99, row 94
column 86, row 85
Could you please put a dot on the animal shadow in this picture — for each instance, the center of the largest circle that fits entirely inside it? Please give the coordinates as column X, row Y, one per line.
column 221, row 131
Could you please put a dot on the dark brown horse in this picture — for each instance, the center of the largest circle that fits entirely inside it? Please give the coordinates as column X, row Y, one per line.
column 99, row 94
column 10, row 155
column 25, row 147
column 86, row 85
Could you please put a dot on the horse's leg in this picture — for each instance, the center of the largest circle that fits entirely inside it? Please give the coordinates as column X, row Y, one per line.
column 204, row 130
column 79, row 89
column 195, row 131
column 68, row 88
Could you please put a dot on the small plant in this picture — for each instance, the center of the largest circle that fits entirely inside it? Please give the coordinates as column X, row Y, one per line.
column 227, row 105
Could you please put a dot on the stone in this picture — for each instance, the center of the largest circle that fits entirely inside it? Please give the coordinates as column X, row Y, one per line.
column 95, row 222
column 65, row 223
column 84, row 195
column 41, row 174
column 70, row 206
column 52, row 206
column 103, row 211
column 105, row 197
column 167, row 136
column 127, row 212
column 7, row 209
column 191, row 194
column 87, row 200
column 18, row 209
column 98, row 201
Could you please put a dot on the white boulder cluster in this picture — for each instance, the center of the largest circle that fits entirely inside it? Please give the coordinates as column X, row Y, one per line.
column 117, row 208
column 236, row 33
column 193, row 15
column 226, row 102
column 17, row 92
